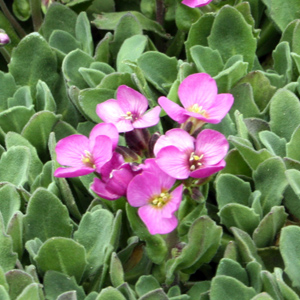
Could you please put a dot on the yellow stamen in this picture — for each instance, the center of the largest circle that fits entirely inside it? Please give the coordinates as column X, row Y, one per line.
column 161, row 200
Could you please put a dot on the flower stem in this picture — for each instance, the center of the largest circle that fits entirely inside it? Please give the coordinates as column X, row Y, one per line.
column 21, row 32
column 5, row 54
column 160, row 11
column 36, row 13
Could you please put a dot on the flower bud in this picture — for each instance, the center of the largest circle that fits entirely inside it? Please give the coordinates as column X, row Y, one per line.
column 4, row 38
column 137, row 140
column 155, row 136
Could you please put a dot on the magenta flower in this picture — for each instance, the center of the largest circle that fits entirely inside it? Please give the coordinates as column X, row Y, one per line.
column 82, row 155
column 182, row 156
column 128, row 111
column 150, row 191
column 115, row 177
column 199, row 95
column 195, row 3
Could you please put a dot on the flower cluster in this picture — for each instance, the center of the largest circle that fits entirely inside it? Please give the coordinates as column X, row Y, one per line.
column 152, row 171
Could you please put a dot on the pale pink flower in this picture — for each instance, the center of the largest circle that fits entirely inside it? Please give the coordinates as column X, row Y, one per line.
column 195, row 3
column 151, row 192
column 128, row 111
column 181, row 156
column 199, row 95
column 82, row 155
column 115, row 177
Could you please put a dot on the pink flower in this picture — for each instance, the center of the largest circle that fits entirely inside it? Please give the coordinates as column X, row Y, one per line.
column 84, row 155
column 115, row 177
column 195, row 3
column 182, row 156
column 199, row 95
column 150, row 191
column 128, row 111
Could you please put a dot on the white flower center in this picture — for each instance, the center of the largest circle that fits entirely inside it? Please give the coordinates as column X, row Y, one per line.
column 88, row 159
column 195, row 161
column 161, row 200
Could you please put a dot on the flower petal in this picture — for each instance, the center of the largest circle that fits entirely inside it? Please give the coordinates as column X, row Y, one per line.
column 70, row 150
column 173, row 110
column 149, row 119
column 110, row 111
column 175, row 137
column 142, row 188
column 174, row 162
column 213, row 145
column 131, row 100
column 107, row 129
column 99, row 187
column 195, row 3
column 102, row 151
column 220, row 108
column 72, row 172
column 173, row 205
column 154, row 220
column 199, row 88
column 206, row 171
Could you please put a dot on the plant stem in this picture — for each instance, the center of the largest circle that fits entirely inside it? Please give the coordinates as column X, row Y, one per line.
column 5, row 54
column 12, row 19
column 36, row 14
column 160, row 11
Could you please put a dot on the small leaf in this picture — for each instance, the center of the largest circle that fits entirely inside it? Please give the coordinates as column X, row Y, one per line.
column 46, row 217
column 22, row 97
column 83, row 33
column 56, row 283
column 110, row 293
column 32, row 292
column 146, row 284
column 8, row 88
column 292, row 148
column 270, row 180
column 284, row 115
column 237, row 291
column 62, row 255
column 116, row 270
column 269, row 226
column 273, row 142
column 63, row 41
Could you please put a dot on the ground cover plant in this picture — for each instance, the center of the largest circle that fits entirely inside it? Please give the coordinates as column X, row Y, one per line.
column 150, row 150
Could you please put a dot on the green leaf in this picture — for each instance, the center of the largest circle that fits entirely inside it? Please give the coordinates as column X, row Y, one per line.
column 33, row 60
column 17, row 281
column 44, row 98
column 110, row 293
column 284, row 115
column 37, row 131
column 63, row 255
column 159, row 69
column 282, row 13
column 231, row 189
column 71, row 64
column 35, row 167
column 227, row 78
column 83, row 33
column 203, row 231
column 268, row 228
column 185, row 16
column 46, row 217
column 246, row 246
column 229, row 267
column 94, row 233
column 273, row 142
column 207, row 60
column 253, row 269
column 145, row 284
column 22, row 97
column 116, row 270
column 270, row 180
column 8, row 88
column 32, row 292
column 15, row 230
column 292, row 148
column 198, row 33
column 239, row 216
column 109, row 21
column 283, row 61
column 229, row 288
column 230, row 35
column 89, row 99
column 56, row 283
column 270, row 285
column 102, row 52
column 293, row 177
column 262, row 296
column 114, row 80
column 15, row 118
column 60, row 12
column 131, row 49
column 92, row 77
column 157, row 294
column 252, row 157
column 63, row 41
column 14, row 165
